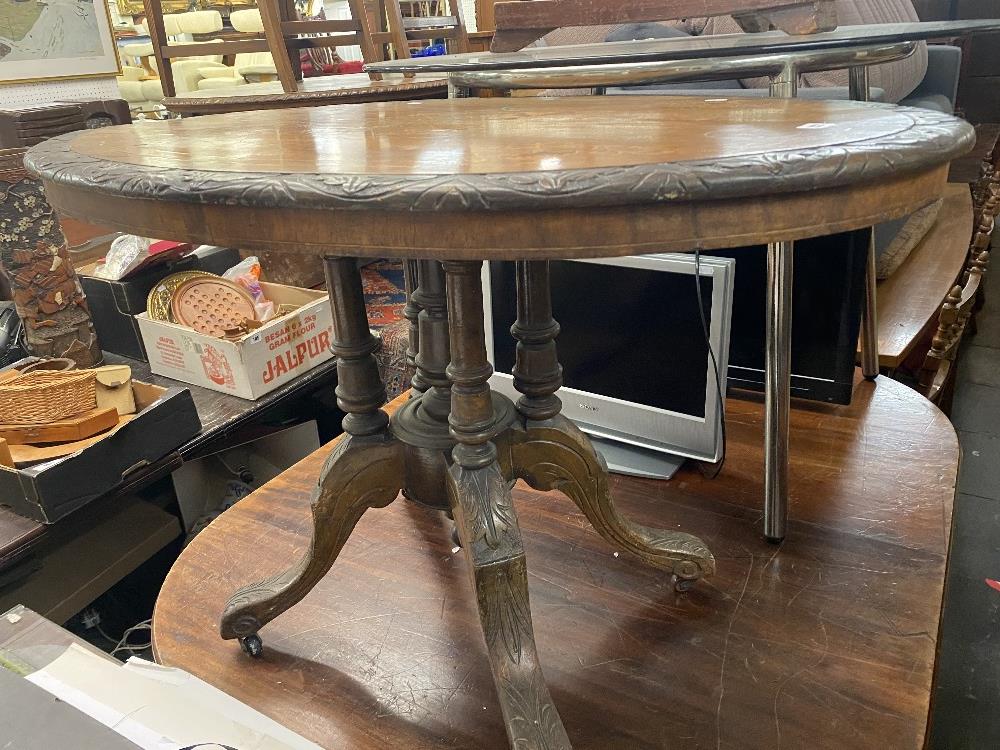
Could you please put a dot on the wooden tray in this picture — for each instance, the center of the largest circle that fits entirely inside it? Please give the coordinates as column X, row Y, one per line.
column 65, row 430
column 31, row 454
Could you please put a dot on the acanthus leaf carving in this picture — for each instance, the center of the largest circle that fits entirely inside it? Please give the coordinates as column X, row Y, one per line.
column 923, row 140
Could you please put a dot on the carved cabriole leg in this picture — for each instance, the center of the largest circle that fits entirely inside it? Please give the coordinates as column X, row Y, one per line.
column 412, row 313
column 487, row 524
column 551, row 453
column 364, row 471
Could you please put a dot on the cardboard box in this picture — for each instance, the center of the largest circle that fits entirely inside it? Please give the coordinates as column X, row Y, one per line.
column 258, row 363
column 114, row 304
column 167, row 418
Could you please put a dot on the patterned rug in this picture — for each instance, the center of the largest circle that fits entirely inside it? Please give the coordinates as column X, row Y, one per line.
column 385, row 293
column 385, row 297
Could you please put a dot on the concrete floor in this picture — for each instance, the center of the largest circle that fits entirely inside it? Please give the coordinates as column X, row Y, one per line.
column 966, row 713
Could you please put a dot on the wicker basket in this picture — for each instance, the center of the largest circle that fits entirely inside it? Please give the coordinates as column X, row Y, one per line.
column 45, row 396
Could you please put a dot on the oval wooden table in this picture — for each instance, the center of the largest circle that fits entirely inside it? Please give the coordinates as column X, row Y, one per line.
column 454, row 183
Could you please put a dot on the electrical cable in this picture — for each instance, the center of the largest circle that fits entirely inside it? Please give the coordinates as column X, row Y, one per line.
column 715, row 367
column 123, row 644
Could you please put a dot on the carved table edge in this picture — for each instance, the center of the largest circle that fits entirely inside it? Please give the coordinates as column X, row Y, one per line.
column 930, row 140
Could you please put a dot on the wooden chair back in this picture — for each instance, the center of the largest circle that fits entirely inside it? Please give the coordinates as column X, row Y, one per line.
column 960, row 306
column 952, row 324
column 405, row 29
column 519, row 23
column 281, row 37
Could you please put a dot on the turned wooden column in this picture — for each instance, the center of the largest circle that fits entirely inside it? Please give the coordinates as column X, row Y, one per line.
column 411, row 311
column 360, row 391
column 537, row 372
column 472, row 416
column 433, row 353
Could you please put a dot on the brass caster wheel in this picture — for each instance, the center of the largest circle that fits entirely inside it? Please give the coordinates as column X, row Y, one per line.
column 686, row 575
column 252, row 645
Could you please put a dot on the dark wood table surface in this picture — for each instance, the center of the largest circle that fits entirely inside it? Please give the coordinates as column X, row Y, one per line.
column 689, row 48
column 527, row 178
column 824, row 642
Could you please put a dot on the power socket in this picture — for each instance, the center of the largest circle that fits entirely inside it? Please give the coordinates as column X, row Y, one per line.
column 91, row 618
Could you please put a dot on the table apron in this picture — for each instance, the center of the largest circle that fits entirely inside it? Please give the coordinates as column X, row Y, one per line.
column 519, row 234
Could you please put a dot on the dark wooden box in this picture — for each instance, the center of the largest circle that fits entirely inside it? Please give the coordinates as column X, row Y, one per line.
column 51, row 490
column 113, row 304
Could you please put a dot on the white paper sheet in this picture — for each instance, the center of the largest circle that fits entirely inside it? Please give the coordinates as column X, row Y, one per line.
column 160, row 708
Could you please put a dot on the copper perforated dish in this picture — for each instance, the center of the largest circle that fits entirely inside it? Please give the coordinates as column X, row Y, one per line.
column 211, row 305
column 160, row 296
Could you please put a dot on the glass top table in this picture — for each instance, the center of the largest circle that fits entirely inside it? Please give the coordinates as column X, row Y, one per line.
column 688, row 48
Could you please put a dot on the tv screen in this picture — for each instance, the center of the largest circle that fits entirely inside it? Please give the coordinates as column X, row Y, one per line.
column 827, row 297
column 627, row 333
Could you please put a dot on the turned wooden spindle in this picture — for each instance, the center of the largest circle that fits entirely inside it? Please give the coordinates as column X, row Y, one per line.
column 433, row 353
column 472, row 417
column 537, row 372
column 360, row 392
column 411, row 311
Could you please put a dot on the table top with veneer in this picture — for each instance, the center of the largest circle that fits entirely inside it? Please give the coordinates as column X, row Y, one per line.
column 517, row 178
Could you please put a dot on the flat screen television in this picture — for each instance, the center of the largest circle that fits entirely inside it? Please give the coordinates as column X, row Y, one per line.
column 636, row 366
column 827, row 298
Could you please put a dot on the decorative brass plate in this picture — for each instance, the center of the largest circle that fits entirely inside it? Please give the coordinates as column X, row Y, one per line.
column 212, row 306
column 158, row 301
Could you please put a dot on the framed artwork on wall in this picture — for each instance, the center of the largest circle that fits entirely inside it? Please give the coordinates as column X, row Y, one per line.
column 136, row 8
column 43, row 40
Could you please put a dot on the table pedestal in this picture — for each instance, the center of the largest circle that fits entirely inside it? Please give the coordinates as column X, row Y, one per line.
column 458, row 446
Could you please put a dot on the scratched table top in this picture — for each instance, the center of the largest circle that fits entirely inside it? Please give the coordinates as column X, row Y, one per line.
column 826, row 642
column 687, row 48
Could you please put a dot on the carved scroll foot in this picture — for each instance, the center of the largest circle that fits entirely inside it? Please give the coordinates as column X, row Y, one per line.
column 487, row 525
column 556, row 455
column 361, row 473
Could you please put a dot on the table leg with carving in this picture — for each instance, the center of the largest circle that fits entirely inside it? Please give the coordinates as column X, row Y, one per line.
column 487, row 525
column 549, row 452
column 459, row 446
column 365, row 471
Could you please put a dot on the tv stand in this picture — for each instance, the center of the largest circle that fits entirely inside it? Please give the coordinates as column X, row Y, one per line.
column 636, row 461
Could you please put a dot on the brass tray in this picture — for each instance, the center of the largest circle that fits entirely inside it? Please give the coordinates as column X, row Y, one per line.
column 158, row 301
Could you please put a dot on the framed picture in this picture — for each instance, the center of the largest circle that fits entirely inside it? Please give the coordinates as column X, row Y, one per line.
column 43, row 41
column 135, row 7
